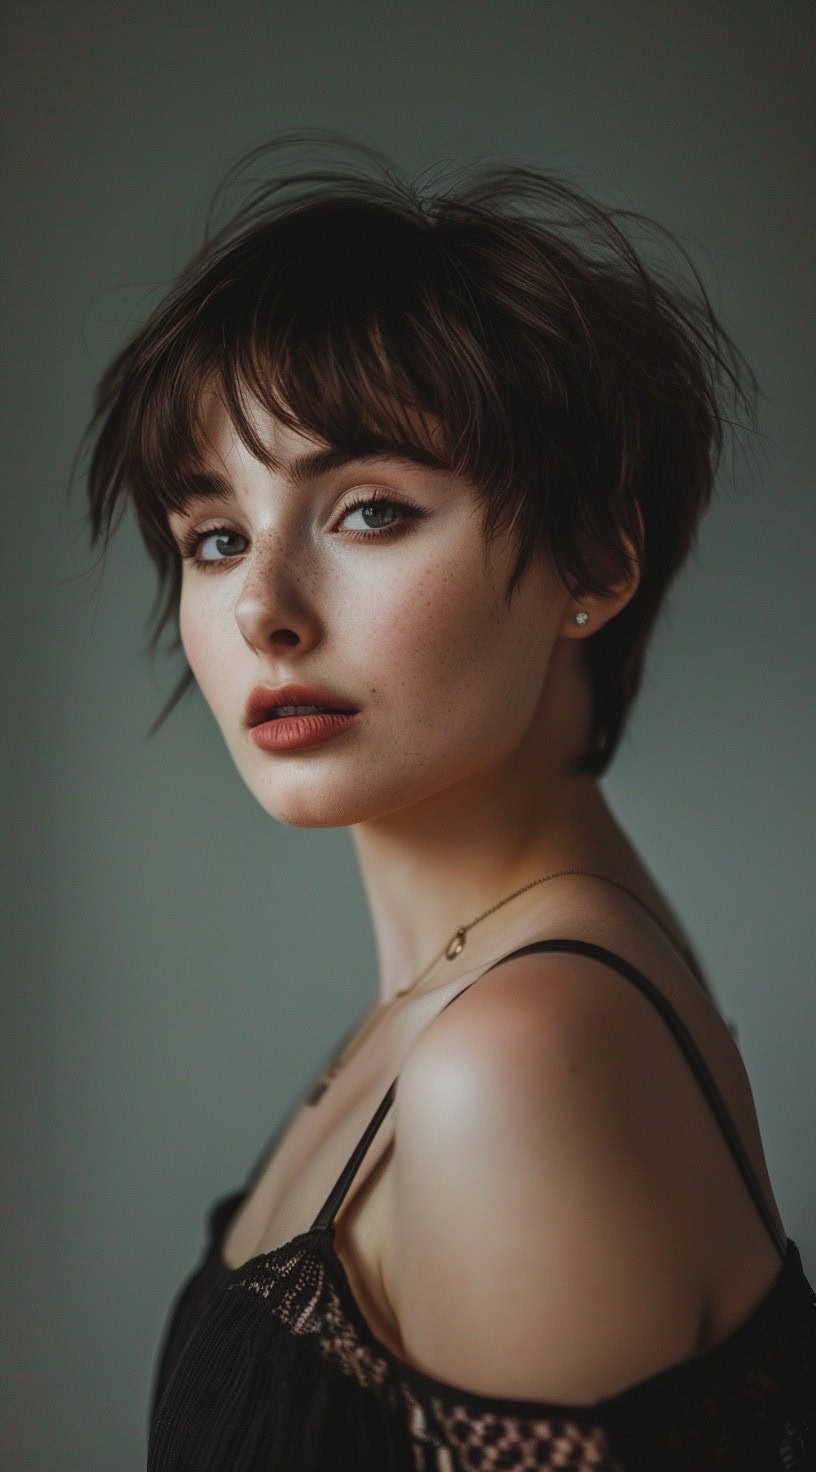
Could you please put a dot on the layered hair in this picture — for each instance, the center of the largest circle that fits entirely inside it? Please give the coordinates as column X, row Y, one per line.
column 504, row 327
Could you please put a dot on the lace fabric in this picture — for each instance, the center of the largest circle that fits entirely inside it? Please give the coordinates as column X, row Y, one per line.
column 444, row 1429
column 284, row 1333
column 272, row 1367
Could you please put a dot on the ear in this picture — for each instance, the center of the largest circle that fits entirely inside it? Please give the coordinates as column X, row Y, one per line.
column 601, row 608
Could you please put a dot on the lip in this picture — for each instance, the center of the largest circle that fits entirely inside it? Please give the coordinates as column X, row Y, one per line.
column 297, row 733
column 264, row 697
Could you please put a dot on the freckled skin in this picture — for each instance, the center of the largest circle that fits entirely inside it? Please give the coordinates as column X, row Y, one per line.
column 457, row 787
column 455, row 781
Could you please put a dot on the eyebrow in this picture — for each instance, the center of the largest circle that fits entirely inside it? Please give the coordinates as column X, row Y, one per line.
column 310, row 467
column 315, row 463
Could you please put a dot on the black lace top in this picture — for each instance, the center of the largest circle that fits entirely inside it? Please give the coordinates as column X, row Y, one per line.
column 272, row 1367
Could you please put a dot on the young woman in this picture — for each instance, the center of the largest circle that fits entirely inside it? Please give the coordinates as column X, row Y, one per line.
column 417, row 472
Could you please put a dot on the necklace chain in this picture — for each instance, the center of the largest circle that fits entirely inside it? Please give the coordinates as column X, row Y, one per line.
column 454, row 948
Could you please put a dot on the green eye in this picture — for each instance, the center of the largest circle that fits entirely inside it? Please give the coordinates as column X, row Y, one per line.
column 372, row 513
column 374, row 509
column 219, row 535
column 192, row 541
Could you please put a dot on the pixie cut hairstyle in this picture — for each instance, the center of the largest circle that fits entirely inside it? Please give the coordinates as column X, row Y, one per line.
column 504, row 328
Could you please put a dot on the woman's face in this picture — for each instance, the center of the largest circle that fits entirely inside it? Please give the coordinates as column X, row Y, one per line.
column 408, row 626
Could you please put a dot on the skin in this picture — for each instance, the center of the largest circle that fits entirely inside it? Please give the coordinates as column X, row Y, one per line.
column 521, row 1109
column 455, row 783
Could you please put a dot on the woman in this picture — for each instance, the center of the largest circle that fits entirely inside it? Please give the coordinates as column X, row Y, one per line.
column 416, row 472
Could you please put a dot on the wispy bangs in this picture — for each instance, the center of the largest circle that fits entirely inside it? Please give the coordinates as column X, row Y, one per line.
column 504, row 328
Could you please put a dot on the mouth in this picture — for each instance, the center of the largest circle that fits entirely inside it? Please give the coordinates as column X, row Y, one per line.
column 268, row 703
column 299, row 727
column 277, row 712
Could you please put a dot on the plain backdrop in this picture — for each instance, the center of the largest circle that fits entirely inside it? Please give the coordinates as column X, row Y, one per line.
column 177, row 963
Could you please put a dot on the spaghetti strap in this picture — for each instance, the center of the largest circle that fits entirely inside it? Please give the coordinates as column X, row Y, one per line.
column 687, row 1045
column 337, row 1195
column 271, row 1145
column 681, row 1035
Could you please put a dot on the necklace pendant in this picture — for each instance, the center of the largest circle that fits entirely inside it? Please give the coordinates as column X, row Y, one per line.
column 456, row 945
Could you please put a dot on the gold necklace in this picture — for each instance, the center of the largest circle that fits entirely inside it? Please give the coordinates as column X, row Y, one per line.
column 454, row 948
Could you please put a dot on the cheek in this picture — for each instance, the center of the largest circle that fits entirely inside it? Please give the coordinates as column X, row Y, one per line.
column 457, row 652
column 192, row 640
column 202, row 639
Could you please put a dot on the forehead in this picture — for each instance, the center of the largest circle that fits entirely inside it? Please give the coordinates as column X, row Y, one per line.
column 222, row 443
column 297, row 456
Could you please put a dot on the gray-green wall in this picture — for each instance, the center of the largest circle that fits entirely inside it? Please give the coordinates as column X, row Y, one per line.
column 177, row 963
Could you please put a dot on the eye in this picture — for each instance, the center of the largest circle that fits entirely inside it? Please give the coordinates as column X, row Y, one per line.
column 379, row 515
column 191, row 545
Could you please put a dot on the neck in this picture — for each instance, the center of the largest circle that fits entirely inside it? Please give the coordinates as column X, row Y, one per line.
column 427, row 872
column 432, row 866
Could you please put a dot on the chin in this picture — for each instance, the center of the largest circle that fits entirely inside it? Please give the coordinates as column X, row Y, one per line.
column 304, row 800
column 307, row 815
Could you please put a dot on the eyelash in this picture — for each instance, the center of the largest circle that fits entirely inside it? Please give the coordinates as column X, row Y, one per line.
column 190, row 541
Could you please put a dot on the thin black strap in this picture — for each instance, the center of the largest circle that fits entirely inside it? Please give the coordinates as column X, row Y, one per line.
column 337, row 1195
column 679, row 1031
column 271, row 1145
column 688, row 1046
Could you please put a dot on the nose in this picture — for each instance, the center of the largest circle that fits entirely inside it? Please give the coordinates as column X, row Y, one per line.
column 273, row 609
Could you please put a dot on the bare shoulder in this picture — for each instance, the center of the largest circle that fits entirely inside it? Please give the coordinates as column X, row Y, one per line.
column 536, row 1191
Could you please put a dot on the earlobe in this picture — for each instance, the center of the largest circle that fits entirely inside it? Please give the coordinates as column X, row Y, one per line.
column 602, row 608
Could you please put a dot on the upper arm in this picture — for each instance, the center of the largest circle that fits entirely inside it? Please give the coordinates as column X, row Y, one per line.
column 537, row 1246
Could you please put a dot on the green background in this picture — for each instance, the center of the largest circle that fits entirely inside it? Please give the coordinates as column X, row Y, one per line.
column 176, row 962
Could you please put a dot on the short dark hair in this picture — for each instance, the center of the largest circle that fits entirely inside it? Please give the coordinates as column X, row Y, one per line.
column 575, row 387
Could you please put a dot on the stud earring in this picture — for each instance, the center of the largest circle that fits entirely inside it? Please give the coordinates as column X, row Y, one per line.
column 582, row 616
